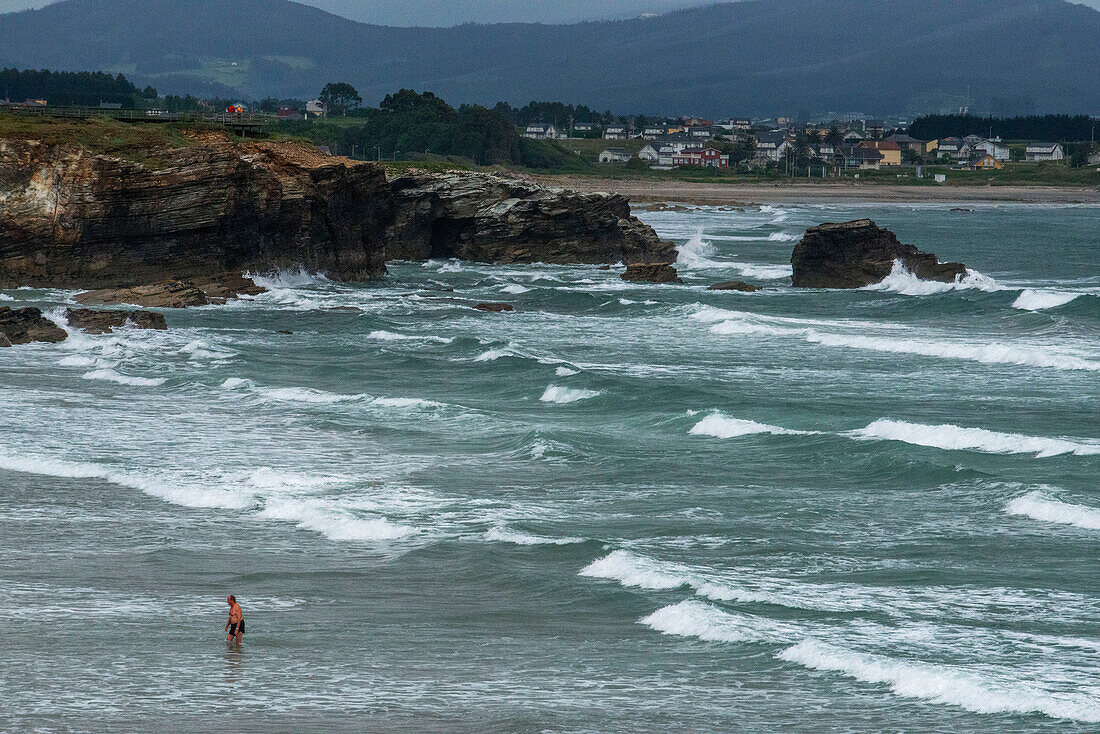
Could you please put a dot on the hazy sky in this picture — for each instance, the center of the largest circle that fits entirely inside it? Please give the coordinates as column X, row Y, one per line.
column 452, row 12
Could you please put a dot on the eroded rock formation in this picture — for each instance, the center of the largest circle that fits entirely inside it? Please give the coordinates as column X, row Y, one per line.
column 70, row 218
column 26, row 325
column 734, row 285
column 491, row 218
column 104, row 322
column 859, row 253
column 651, row 273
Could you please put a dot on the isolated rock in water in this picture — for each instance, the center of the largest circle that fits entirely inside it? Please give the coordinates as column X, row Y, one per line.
column 498, row 219
column 859, row 253
column 495, row 307
column 26, row 325
column 734, row 285
column 103, row 322
column 651, row 273
column 173, row 294
column 4, row 341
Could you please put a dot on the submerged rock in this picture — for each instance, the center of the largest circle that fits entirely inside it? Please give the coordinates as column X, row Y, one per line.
column 26, row 325
column 734, row 285
column 495, row 307
column 859, row 253
column 173, row 294
column 651, row 273
column 104, row 322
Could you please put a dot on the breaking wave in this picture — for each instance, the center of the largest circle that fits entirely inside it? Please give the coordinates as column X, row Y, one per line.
column 719, row 425
column 286, row 279
column 1037, row 300
column 110, row 375
column 501, row 534
column 957, row 438
column 556, row 394
column 696, row 253
column 515, row 289
column 390, row 336
column 943, row 684
column 333, row 521
column 321, row 397
column 901, row 280
column 1038, row 506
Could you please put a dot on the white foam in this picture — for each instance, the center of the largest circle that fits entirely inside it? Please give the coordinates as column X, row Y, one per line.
column 901, row 280
column 696, row 619
column 1037, row 300
column 515, row 289
column 782, row 237
column 407, row 403
column 110, row 375
column 633, row 570
column 987, row 353
column 333, row 521
column 286, row 279
column 764, row 272
column 957, row 438
column 5, row 297
column 565, row 372
column 719, row 425
column 76, row 360
column 944, row 684
column 493, row 355
column 556, row 394
column 696, row 253
column 391, row 336
column 501, row 534
column 292, row 394
column 177, row 493
column 1038, row 506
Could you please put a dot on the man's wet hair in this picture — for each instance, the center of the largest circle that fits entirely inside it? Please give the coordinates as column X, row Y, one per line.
column 232, row 598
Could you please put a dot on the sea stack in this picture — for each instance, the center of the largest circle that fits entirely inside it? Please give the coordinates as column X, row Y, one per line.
column 860, row 253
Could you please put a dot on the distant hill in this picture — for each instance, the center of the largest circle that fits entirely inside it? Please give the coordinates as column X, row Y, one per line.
column 755, row 57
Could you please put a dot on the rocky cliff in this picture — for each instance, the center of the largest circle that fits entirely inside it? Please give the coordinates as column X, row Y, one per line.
column 69, row 218
column 76, row 219
column 859, row 253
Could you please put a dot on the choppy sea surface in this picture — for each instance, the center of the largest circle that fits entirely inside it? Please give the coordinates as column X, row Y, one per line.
column 623, row 507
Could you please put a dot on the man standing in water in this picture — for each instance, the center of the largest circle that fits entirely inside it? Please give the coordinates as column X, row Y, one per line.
column 234, row 628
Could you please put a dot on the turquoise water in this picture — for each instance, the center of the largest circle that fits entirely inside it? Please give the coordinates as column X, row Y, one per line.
column 621, row 508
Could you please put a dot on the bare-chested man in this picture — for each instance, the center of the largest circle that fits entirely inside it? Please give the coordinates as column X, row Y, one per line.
column 234, row 628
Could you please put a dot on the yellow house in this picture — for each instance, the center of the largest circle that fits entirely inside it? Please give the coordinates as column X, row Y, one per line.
column 891, row 151
column 988, row 163
column 931, row 145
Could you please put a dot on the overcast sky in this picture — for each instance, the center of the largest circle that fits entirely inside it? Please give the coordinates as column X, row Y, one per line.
column 453, row 12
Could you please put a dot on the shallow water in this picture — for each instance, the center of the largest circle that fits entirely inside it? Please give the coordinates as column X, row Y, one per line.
column 621, row 508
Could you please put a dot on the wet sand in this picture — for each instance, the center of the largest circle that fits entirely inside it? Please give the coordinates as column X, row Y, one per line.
column 642, row 191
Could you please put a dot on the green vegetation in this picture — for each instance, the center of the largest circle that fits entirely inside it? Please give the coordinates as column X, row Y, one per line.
column 139, row 143
column 1053, row 128
column 83, row 88
column 339, row 97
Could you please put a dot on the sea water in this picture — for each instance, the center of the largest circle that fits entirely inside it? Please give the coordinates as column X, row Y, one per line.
column 623, row 507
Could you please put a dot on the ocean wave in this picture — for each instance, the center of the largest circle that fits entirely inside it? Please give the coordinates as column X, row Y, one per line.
column 173, row 491
column 110, row 375
column 703, row 621
column 501, row 534
column 390, row 336
column 565, row 372
column 556, row 394
column 764, row 272
column 5, row 297
column 284, row 279
column 198, row 349
column 1037, row 300
column 696, row 253
column 630, row 569
column 719, row 425
column 333, row 521
column 76, row 360
column 957, row 438
column 321, row 397
column 901, row 280
column 943, row 684
column 1039, row 506
column 493, row 355
column 988, row 353
column 782, row 237
column 515, row 289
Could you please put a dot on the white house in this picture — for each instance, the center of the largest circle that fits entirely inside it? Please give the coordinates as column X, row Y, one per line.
column 315, row 107
column 1044, row 152
column 615, row 155
column 995, row 148
column 615, row 132
column 540, row 131
column 772, row 145
column 650, row 152
column 954, row 148
column 652, row 132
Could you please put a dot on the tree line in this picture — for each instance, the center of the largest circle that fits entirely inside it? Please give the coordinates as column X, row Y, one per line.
column 86, row 88
column 1053, row 128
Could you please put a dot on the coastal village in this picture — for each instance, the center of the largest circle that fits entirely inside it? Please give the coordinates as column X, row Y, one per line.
column 859, row 143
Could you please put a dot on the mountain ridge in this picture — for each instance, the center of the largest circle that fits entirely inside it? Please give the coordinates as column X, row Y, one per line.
column 753, row 57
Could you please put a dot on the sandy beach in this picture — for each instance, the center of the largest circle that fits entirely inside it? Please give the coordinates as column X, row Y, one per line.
column 641, row 191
